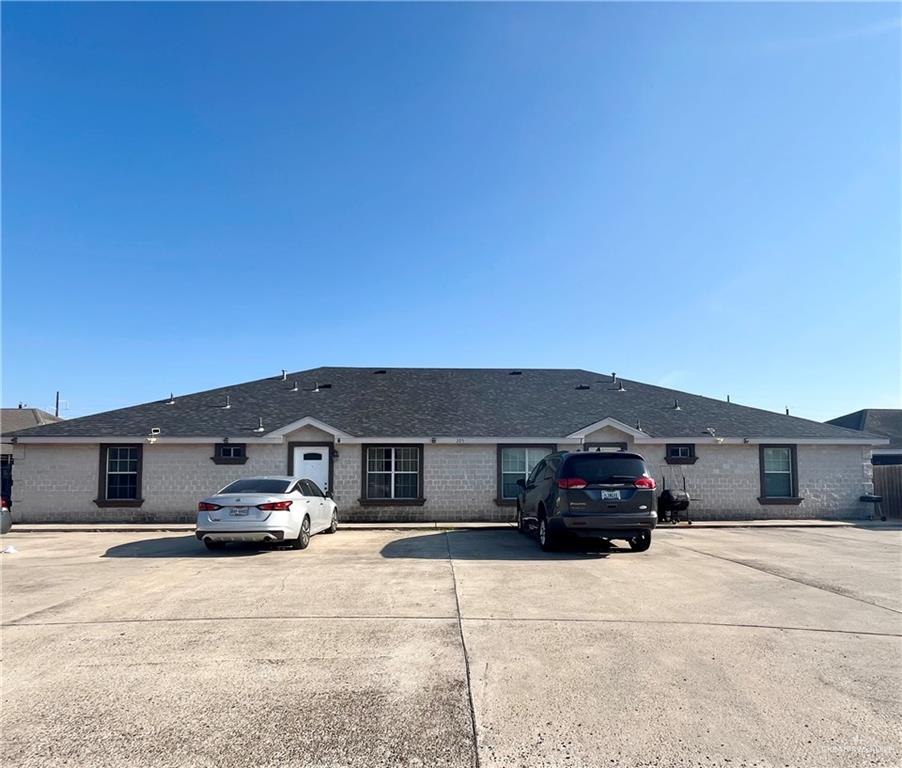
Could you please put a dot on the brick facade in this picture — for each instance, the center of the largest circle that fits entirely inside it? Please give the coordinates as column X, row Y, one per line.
column 56, row 483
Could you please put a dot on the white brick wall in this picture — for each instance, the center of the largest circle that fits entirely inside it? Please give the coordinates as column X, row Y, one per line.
column 459, row 484
column 725, row 481
column 59, row 482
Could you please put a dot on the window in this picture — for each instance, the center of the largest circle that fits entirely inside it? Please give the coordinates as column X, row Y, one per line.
column 120, row 476
column 779, row 474
column 312, row 489
column 313, row 457
column 604, row 468
column 680, row 453
column 257, row 485
column 517, row 462
column 229, row 453
column 392, row 473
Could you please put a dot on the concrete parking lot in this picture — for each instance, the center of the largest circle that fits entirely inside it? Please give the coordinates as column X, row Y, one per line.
column 739, row 647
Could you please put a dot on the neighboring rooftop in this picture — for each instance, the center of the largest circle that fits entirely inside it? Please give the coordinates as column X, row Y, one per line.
column 886, row 422
column 442, row 402
column 14, row 419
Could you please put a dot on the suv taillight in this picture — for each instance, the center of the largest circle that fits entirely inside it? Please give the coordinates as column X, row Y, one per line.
column 275, row 505
column 205, row 506
column 571, row 482
column 645, row 482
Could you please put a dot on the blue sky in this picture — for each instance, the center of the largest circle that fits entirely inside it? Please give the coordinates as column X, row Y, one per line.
column 701, row 196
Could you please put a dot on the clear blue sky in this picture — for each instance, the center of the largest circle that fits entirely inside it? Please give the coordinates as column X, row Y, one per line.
column 701, row 196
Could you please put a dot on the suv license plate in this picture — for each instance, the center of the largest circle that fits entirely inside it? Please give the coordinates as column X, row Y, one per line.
column 238, row 511
column 610, row 495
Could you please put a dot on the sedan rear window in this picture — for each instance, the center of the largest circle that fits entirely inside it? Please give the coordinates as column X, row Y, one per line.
column 257, row 485
column 603, row 468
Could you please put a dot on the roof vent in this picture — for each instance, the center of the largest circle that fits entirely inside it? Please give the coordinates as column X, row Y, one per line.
column 787, row 410
column 284, row 375
column 380, row 372
column 620, row 387
column 613, row 377
column 676, row 405
column 228, row 402
column 325, row 386
column 583, row 386
column 259, row 427
column 171, row 400
column 294, row 387
column 515, row 373
column 728, row 398
column 638, row 424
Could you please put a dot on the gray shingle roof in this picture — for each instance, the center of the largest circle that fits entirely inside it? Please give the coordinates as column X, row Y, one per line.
column 13, row 419
column 442, row 402
column 876, row 421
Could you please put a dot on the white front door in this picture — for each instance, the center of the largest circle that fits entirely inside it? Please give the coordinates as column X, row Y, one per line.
column 312, row 462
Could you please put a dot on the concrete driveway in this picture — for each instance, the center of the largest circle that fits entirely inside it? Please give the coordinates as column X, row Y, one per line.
column 739, row 647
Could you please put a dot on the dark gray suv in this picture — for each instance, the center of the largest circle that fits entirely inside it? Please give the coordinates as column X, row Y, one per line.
column 587, row 494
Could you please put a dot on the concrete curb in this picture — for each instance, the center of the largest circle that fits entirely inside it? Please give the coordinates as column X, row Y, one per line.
column 450, row 526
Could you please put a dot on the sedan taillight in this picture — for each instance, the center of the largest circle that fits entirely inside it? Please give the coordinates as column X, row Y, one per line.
column 205, row 506
column 645, row 482
column 275, row 505
column 571, row 482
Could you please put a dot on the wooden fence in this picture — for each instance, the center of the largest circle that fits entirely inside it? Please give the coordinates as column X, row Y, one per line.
column 888, row 484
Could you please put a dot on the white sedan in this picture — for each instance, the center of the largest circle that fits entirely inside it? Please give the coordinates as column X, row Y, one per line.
column 266, row 510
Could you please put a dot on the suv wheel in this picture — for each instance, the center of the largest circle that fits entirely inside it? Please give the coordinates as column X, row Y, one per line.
column 547, row 539
column 641, row 542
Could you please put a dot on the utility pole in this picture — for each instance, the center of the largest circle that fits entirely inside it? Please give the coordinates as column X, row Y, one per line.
column 56, row 411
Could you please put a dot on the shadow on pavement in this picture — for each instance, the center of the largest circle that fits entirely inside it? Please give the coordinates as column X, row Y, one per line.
column 180, row 546
column 490, row 545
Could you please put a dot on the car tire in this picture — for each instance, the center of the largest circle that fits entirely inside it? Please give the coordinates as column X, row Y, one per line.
column 333, row 526
column 547, row 540
column 521, row 523
column 213, row 545
column 303, row 538
column 641, row 542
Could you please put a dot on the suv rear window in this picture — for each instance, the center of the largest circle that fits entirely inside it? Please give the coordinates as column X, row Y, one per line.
column 603, row 467
column 257, row 485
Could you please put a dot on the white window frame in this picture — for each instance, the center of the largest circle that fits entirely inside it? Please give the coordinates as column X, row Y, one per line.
column 109, row 472
column 393, row 449
column 787, row 472
column 545, row 449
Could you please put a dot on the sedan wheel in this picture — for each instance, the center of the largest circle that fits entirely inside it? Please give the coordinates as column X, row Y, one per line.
column 333, row 526
column 303, row 538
